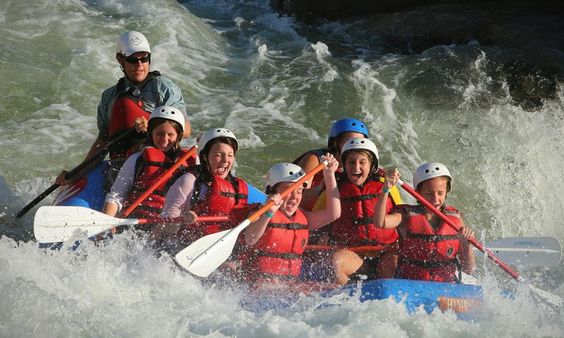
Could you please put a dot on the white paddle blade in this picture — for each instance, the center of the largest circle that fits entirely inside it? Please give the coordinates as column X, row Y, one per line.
column 58, row 223
column 205, row 255
column 527, row 252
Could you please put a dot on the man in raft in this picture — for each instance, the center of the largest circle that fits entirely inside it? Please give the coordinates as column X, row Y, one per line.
column 133, row 98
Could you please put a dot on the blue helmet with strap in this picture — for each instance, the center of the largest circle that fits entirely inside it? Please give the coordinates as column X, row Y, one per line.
column 346, row 125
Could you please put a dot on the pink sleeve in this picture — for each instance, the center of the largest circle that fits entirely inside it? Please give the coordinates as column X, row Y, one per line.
column 178, row 196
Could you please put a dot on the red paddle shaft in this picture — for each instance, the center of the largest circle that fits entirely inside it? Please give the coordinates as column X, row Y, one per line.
column 473, row 241
column 202, row 219
column 165, row 176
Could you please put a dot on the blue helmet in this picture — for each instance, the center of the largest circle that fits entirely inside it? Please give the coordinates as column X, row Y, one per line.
column 347, row 125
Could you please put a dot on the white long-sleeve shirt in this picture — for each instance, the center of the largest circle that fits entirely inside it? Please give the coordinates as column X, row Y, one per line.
column 124, row 181
column 179, row 196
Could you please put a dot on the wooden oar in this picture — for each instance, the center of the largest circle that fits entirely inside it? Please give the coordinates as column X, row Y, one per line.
column 552, row 300
column 99, row 154
column 54, row 224
column 207, row 253
column 165, row 176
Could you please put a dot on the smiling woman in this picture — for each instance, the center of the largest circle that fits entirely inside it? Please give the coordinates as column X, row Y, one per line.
column 207, row 189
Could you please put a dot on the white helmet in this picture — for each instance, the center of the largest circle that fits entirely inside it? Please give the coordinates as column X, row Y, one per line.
column 431, row 170
column 359, row 143
column 283, row 172
column 210, row 134
column 132, row 42
column 169, row 113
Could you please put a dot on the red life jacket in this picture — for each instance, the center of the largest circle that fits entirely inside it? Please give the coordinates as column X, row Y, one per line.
column 278, row 253
column 149, row 168
column 427, row 253
column 222, row 196
column 126, row 107
column 355, row 227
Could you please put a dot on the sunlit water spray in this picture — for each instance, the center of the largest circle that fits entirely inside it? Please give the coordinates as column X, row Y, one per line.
column 278, row 85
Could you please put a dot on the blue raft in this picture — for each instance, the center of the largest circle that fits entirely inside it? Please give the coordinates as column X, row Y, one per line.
column 87, row 192
column 463, row 299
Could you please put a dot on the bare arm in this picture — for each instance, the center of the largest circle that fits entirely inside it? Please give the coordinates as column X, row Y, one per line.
column 110, row 208
column 466, row 254
column 380, row 219
column 187, row 128
column 332, row 210
column 307, row 163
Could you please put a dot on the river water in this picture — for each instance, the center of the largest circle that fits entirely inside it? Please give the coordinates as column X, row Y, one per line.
column 477, row 87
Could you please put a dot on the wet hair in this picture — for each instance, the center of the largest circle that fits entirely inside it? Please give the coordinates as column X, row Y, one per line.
column 155, row 122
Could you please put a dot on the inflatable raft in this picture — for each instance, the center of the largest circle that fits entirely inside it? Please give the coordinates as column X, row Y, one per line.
column 463, row 299
column 88, row 191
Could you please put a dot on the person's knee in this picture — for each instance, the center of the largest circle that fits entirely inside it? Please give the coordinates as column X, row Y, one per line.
column 346, row 261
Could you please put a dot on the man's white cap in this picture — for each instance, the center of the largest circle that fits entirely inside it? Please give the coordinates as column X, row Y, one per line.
column 132, row 42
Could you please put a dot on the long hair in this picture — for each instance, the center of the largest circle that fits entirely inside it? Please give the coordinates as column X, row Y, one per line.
column 155, row 122
column 205, row 167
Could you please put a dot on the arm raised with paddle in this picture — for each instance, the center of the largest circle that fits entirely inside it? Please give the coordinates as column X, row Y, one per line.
column 433, row 170
column 205, row 255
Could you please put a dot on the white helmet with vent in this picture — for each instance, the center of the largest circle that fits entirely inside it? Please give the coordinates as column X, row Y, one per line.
column 169, row 113
column 283, row 172
column 214, row 133
column 431, row 170
column 360, row 144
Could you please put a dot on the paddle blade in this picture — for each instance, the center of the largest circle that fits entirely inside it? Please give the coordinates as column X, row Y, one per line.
column 205, row 255
column 527, row 252
column 58, row 223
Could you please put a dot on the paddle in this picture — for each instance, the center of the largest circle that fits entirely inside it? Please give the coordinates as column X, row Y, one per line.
column 165, row 176
column 99, row 154
column 54, row 224
column 362, row 248
column 207, row 253
column 552, row 300
column 526, row 252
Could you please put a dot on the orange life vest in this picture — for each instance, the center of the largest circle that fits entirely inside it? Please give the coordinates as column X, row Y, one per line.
column 126, row 107
column 149, row 168
column 355, row 227
column 222, row 196
column 278, row 253
column 427, row 253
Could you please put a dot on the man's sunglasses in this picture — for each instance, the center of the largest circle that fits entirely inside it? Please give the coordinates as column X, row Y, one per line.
column 134, row 60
